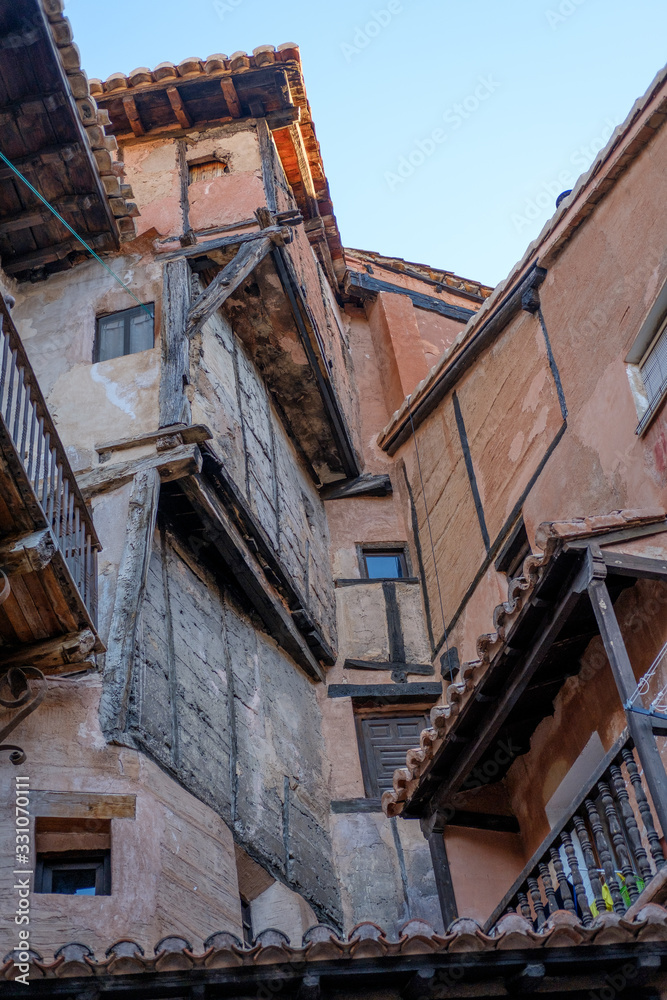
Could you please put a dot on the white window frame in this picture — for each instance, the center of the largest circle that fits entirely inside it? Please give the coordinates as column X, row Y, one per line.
column 653, row 330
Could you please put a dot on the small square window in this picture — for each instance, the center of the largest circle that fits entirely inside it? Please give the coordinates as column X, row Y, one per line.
column 383, row 744
column 74, row 873
column 384, row 564
column 126, row 332
column 514, row 551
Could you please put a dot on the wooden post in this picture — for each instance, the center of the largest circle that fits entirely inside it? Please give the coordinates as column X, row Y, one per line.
column 130, row 588
column 639, row 725
column 443, row 877
column 174, row 405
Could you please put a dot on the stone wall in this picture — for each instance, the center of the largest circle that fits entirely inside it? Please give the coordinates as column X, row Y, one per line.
column 219, row 705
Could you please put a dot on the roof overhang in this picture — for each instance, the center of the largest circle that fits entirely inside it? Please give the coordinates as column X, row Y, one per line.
column 52, row 132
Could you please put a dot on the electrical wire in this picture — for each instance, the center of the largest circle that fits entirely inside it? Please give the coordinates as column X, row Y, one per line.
column 73, row 232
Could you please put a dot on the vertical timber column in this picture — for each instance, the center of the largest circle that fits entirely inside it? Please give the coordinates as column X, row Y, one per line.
column 130, row 589
column 443, row 875
column 639, row 726
column 174, row 377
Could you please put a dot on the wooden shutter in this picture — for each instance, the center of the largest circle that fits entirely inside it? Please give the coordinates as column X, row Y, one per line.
column 384, row 744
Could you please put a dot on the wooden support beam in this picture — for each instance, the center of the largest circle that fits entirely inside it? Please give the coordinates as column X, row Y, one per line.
column 184, row 460
column 60, row 153
column 303, row 164
column 366, row 485
column 58, row 251
column 193, row 434
column 641, row 567
column 443, row 877
column 363, row 286
column 25, row 220
column 83, row 805
column 278, row 234
column 225, row 283
column 223, row 534
column 133, row 116
column 130, row 589
column 178, row 107
column 27, row 553
column 53, row 656
column 175, row 371
column 231, row 97
column 640, row 726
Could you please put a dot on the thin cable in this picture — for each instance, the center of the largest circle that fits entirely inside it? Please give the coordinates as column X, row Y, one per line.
column 73, row 232
column 430, row 535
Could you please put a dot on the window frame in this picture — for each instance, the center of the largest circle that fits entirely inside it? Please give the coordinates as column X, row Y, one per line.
column 369, row 773
column 652, row 329
column 51, row 861
column 127, row 315
column 383, row 549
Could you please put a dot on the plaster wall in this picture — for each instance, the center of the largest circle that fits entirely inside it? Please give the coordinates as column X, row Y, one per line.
column 91, row 403
column 220, row 706
column 175, row 845
column 230, row 397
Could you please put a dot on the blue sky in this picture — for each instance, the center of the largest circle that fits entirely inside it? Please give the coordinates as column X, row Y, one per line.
column 447, row 129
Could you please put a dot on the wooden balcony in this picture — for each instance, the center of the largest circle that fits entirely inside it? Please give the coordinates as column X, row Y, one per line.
column 48, row 545
column 601, row 855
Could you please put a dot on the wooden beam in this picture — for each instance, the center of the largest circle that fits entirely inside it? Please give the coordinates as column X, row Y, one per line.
column 303, row 166
column 28, row 553
column 639, row 725
column 130, row 588
column 225, row 283
column 277, row 233
column 366, row 485
column 133, row 116
column 192, row 434
column 57, row 251
column 60, row 152
column 363, row 286
column 641, row 567
column 223, row 534
column 25, row 220
column 185, row 460
column 52, row 655
column 178, row 107
column 231, row 97
column 175, row 370
column 83, row 805
column 443, row 877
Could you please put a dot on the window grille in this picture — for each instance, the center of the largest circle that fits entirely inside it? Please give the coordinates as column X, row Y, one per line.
column 653, row 371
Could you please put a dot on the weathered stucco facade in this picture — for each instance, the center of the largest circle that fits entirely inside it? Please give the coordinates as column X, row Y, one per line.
column 228, row 719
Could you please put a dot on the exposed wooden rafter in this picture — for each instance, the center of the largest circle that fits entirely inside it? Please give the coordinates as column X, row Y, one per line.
column 231, row 97
column 179, row 108
column 133, row 117
column 226, row 282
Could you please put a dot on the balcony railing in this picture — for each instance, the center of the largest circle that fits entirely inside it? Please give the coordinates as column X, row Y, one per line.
column 47, row 480
column 600, row 856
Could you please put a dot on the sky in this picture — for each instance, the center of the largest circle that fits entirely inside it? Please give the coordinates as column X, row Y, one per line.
column 447, row 129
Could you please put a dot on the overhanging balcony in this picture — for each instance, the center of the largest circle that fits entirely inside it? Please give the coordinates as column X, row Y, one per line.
column 48, row 544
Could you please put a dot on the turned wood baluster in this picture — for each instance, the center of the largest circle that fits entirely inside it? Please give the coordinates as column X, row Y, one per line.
column 577, row 880
column 591, row 863
column 552, row 902
column 630, row 821
column 605, row 856
column 618, row 840
column 644, row 808
column 524, row 906
column 536, row 900
column 565, row 893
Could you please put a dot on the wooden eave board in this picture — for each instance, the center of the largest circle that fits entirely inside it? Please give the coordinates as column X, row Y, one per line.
column 202, row 97
column 36, row 115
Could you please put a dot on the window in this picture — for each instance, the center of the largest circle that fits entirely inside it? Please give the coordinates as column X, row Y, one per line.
column 514, row 551
column 383, row 564
column 74, row 873
column 383, row 744
column 206, row 171
column 653, row 373
column 126, row 332
column 246, row 922
column 73, row 856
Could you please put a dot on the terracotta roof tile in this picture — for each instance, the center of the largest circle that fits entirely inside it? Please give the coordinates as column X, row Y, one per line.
column 489, row 644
